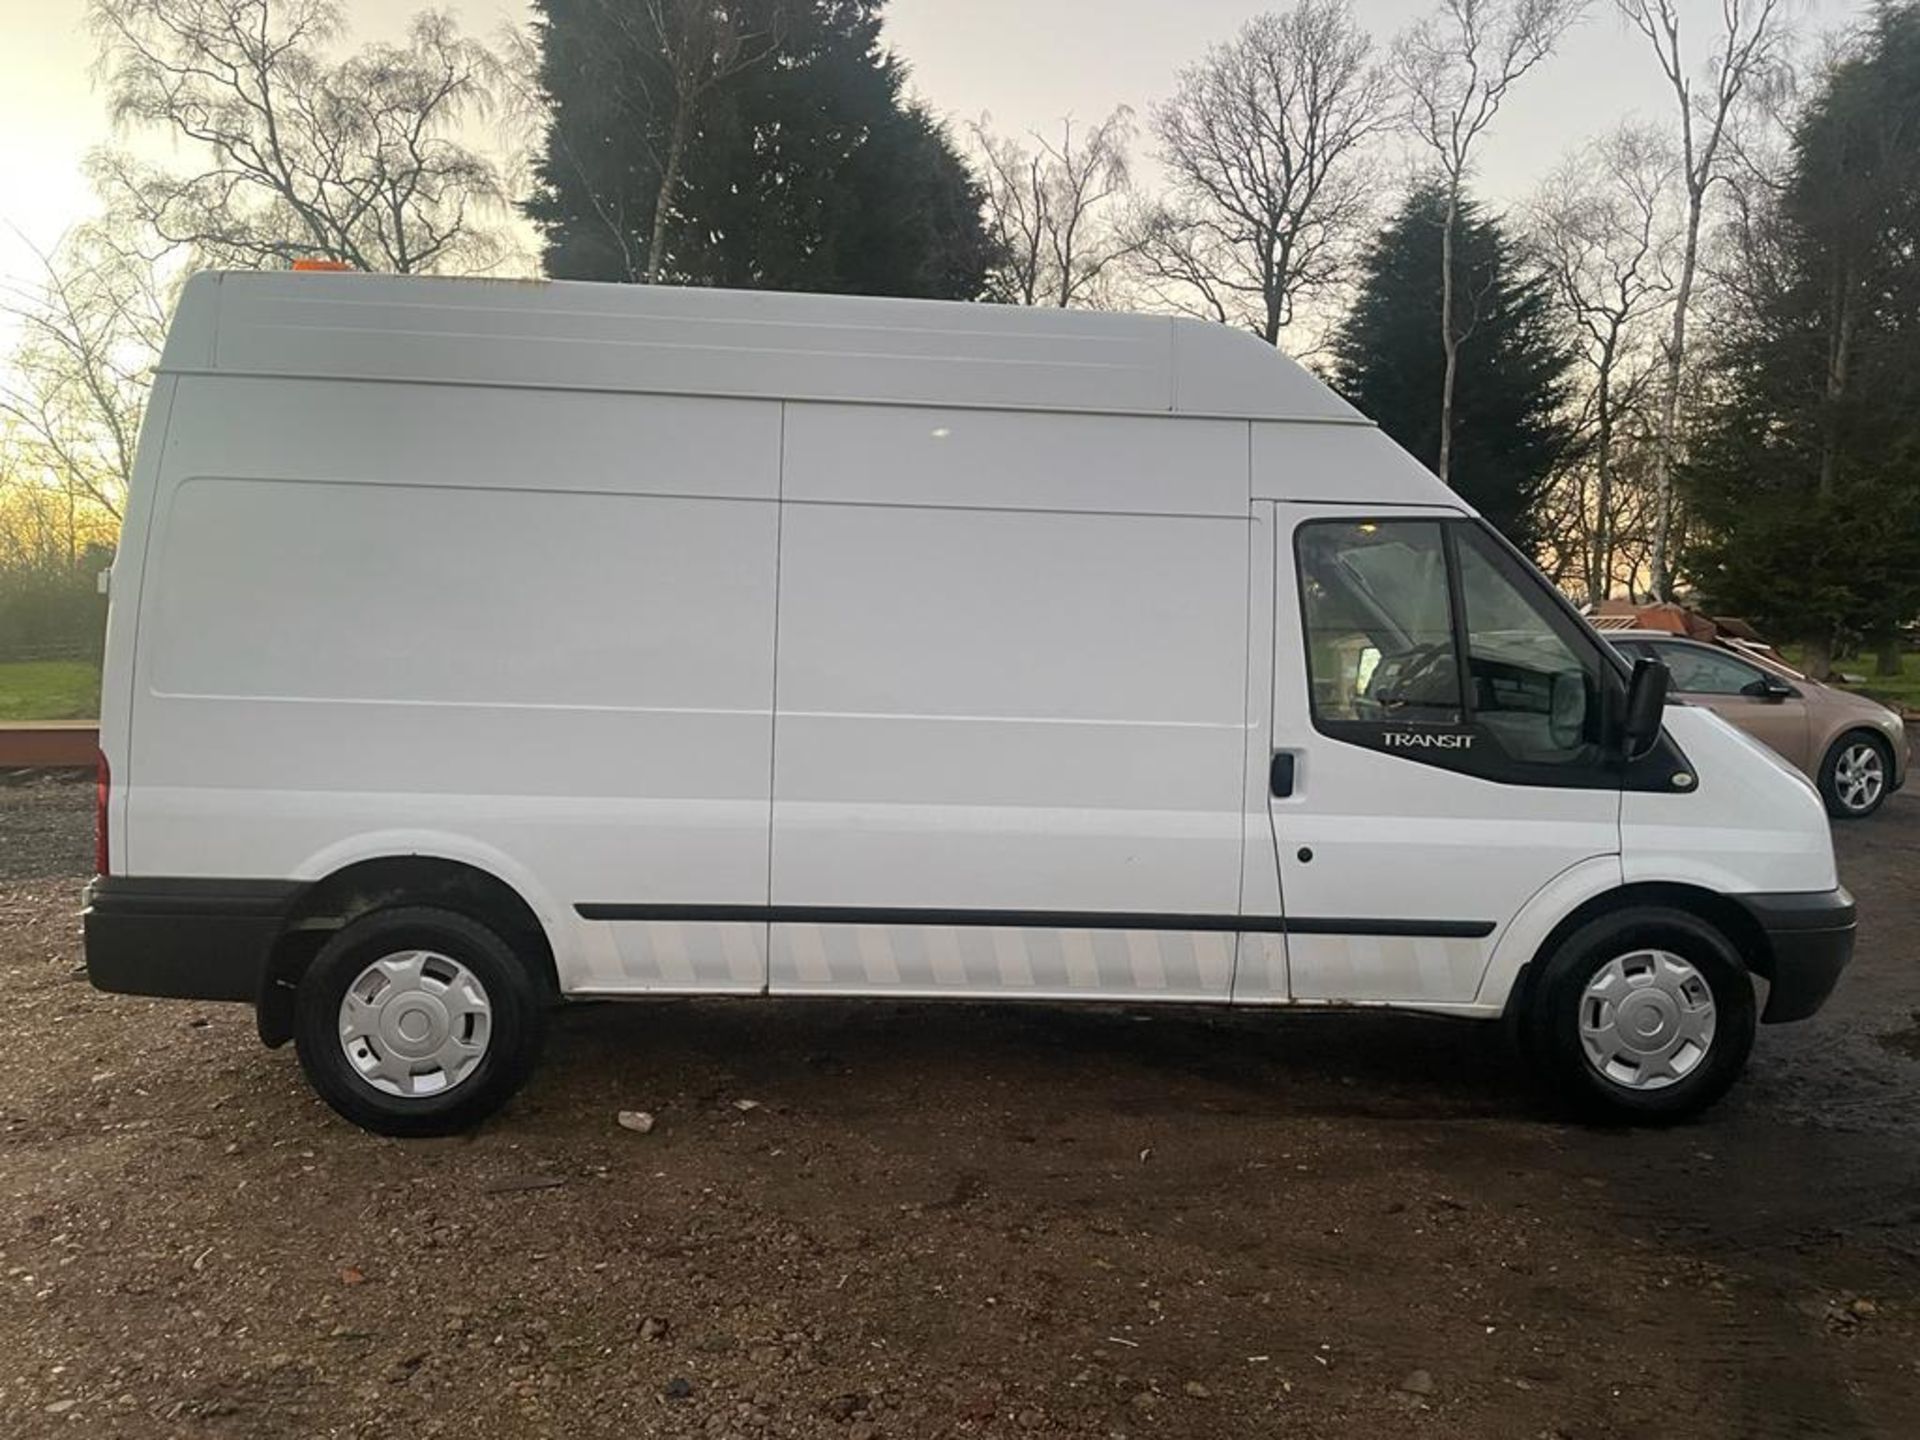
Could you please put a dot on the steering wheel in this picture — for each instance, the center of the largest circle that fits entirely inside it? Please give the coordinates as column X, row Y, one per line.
column 1410, row 671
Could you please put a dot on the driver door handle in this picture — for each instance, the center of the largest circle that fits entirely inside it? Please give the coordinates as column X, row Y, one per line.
column 1280, row 774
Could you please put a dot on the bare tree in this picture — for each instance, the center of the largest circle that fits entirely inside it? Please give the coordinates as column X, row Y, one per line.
column 1054, row 211
column 1456, row 70
column 75, row 391
column 1753, row 35
column 1630, row 530
column 1262, row 144
column 1603, row 231
column 355, row 160
column 702, row 45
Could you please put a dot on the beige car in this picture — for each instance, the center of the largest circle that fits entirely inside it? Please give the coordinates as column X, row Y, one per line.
column 1855, row 749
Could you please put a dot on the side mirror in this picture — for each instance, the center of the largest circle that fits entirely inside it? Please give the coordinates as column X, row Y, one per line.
column 1767, row 687
column 1646, row 705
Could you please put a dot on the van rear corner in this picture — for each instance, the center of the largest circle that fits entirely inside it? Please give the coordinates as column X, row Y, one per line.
column 183, row 939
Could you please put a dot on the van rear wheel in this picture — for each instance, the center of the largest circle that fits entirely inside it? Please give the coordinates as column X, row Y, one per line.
column 1645, row 1016
column 417, row 1021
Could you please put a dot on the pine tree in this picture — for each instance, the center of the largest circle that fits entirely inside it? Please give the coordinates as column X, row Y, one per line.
column 1806, row 479
column 764, row 144
column 1510, row 423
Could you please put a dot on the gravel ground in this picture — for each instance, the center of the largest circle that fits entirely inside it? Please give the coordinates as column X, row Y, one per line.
column 947, row 1221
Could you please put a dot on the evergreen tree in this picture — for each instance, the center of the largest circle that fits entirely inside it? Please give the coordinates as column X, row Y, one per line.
column 1510, row 423
column 764, row 144
column 1806, row 480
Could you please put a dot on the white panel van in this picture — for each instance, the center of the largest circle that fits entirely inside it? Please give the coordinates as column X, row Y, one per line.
column 479, row 645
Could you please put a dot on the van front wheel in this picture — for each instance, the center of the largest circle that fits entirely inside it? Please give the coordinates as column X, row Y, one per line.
column 1646, row 1015
column 417, row 1021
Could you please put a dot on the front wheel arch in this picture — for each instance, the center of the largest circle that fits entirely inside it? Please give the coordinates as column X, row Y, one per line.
column 1657, row 939
column 1733, row 921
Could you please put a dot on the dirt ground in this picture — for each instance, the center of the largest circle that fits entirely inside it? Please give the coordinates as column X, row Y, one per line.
column 948, row 1221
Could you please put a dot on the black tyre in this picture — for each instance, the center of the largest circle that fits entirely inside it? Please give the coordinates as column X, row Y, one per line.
column 1645, row 1015
column 1856, row 774
column 417, row 1021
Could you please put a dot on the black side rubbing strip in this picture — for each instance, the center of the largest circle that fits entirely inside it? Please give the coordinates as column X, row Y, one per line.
column 1416, row 929
column 1042, row 919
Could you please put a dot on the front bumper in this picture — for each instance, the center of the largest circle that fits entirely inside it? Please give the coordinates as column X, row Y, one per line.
column 186, row 939
column 1809, row 942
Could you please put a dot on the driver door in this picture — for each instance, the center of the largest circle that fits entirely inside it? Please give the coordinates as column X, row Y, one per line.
column 1445, row 718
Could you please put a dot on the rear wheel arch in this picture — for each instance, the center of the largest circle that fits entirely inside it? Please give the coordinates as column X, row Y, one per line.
column 418, row 1020
column 329, row 904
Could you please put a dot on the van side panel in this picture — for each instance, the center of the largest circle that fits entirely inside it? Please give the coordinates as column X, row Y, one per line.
column 123, row 612
column 984, row 460
column 1006, row 702
column 366, row 634
column 1340, row 464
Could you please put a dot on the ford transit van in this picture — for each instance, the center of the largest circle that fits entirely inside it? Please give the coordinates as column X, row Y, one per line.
column 476, row 646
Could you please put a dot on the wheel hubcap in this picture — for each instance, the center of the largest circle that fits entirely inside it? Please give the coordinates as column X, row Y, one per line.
column 1859, row 776
column 415, row 1023
column 1647, row 1020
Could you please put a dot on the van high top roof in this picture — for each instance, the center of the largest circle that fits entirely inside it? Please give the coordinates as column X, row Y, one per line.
column 694, row 341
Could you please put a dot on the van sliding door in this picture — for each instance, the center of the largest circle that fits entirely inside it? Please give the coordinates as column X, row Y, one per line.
column 1010, row 730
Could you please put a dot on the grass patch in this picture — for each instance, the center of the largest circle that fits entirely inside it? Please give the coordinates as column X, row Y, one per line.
column 1901, row 691
column 49, row 690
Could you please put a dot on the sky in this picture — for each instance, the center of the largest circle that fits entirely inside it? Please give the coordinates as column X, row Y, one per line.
column 1026, row 63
